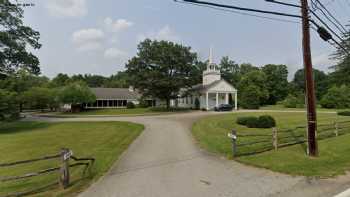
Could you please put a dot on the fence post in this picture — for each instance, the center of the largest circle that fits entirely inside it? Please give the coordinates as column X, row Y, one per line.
column 234, row 142
column 336, row 129
column 64, row 171
column 274, row 138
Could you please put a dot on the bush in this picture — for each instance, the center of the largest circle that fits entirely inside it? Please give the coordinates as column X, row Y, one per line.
column 130, row 105
column 344, row 113
column 196, row 104
column 257, row 122
column 266, row 121
column 245, row 120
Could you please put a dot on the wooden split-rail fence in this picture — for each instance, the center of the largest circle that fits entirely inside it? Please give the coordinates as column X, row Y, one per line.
column 248, row 144
column 63, row 178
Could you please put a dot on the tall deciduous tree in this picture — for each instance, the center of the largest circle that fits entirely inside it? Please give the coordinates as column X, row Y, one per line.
column 76, row 94
column 229, row 70
column 321, row 82
column 253, row 90
column 276, row 82
column 15, row 37
column 162, row 68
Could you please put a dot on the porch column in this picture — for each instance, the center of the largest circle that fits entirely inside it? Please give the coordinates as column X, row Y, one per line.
column 226, row 98
column 207, row 100
column 217, row 99
column 236, row 107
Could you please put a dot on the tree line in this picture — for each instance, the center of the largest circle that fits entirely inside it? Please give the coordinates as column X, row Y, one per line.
column 160, row 69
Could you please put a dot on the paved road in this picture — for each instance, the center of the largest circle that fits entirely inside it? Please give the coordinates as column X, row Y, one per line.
column 165, row 162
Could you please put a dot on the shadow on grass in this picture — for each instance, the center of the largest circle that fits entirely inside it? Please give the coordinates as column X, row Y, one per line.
column 17, row 127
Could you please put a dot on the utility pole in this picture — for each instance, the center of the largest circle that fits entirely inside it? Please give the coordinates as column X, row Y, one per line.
column 309, row 82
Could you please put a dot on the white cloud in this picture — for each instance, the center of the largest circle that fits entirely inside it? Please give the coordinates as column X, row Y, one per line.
column 86, row 35
column 114, row 53
column 67, row 8
column 165, row 33
column 117, row 25
column 90, row 46
column 88, row 39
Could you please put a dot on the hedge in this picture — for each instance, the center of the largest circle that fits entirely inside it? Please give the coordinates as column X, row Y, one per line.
column 264, row 121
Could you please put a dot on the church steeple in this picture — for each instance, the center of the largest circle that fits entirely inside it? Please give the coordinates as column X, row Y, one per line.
column 212, row 73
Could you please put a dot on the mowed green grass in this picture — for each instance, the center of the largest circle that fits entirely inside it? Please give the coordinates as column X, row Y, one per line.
column 334, row 159
column 105, row 141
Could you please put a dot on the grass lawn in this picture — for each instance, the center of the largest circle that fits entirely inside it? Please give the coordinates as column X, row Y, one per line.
column 281, row 107
column 105, row 141
column 211, row 134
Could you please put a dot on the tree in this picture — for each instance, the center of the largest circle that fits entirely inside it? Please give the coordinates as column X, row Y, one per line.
column 119, row 80
column 21, row 82
column 8, row 105
column 341, row 72
column 229, row 70
column 337, row 97
column 276, row 82
column 320, row 78
column 60, row 80
column 76, row 94
column 15, row 39
column 41, row 98
column 161, row 69
column 253, row 90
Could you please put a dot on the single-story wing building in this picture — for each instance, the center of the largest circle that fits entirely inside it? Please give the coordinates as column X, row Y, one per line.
column 116, row 98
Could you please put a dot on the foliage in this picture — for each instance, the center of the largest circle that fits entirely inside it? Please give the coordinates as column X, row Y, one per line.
column 8, row 105
column 337, row 97
column 264, row 121
column 41, row 98
column 344, row 113
column 130, row 105
column 245, row 119
column 253, row 90
column 320, row 78
column 276, row 82
column 161, row 69
column 76, row 94
column 229, row 70
column 15, row 38
column 294, row 101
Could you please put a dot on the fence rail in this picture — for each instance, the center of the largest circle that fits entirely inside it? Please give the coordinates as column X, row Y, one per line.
column 64, row 176
column 248, row 144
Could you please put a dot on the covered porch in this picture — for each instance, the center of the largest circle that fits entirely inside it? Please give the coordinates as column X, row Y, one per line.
column 215, row 98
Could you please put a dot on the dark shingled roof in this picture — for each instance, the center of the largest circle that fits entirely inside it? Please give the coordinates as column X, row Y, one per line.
column 115, row 93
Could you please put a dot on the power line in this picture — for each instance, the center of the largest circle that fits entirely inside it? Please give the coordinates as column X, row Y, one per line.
column 330, row 14
column 242, row 13
column 221, row 6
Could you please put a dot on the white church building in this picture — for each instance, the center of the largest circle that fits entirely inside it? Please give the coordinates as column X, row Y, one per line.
column 211, row 93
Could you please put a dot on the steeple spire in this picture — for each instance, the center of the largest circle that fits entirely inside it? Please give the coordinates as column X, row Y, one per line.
column 211, row 56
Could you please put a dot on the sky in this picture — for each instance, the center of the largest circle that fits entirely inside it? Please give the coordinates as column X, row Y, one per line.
column 98, row 37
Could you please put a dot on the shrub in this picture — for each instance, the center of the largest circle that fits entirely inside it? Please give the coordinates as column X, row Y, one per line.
column 344, row 113
column 245, row 120
column 196, row 104
column 8, row 106
column 265, row 121
column 130, row 105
